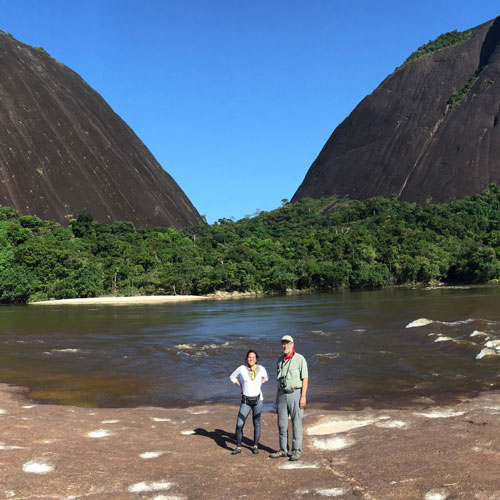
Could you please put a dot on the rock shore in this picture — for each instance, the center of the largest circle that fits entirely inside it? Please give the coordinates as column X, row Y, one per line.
column 54, row 452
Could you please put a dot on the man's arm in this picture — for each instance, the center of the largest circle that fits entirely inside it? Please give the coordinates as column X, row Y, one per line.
column 303, row 401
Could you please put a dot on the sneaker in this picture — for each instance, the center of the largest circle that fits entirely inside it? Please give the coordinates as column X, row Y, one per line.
column 295, row 456
column 277, row 454
column 255, row 451
column 236, row 451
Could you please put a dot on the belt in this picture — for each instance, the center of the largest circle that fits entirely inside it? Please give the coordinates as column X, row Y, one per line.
column 289, row 391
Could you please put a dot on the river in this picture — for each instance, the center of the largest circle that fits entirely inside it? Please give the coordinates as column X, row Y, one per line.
column 388, row 347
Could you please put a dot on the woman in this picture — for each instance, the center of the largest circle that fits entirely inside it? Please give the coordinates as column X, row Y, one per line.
column 249, row 377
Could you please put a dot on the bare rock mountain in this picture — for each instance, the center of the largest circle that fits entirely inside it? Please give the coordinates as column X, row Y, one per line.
column 63, row 149
column 429, row 133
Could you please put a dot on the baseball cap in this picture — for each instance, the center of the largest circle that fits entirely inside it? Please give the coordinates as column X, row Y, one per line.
column 286, row 338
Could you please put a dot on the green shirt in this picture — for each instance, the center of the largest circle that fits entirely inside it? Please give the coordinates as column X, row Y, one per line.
column 292, row 372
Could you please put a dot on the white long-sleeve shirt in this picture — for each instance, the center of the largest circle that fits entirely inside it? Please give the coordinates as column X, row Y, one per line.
column 249, row 387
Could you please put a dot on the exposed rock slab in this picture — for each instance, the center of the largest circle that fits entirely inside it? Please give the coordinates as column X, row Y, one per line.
column 405, row 138
column 63, row 149
column 60, row 452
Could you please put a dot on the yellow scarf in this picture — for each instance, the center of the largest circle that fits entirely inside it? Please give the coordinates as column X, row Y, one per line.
column 253, row 371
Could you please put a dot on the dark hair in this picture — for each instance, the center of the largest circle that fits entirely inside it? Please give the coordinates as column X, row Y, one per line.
column 249, row 352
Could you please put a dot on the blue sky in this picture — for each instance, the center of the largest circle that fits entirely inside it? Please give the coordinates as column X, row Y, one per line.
column 235, row 98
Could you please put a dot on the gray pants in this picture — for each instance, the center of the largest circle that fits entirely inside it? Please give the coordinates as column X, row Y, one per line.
column 288, row 405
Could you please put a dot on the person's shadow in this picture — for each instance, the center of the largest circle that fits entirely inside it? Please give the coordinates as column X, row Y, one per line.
column 224, row 439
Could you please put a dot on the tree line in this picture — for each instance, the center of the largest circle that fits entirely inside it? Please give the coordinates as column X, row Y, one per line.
column 324, row 244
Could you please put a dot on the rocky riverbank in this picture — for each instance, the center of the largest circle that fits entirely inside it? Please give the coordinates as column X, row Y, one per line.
column 431, row 453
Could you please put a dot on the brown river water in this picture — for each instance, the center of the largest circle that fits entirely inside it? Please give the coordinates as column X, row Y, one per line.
column 364, row 348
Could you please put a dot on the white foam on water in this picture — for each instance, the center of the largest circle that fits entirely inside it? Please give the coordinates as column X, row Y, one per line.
column 359, row 330
column 440, row 413
column 336, row 425
column 98, row 434
column 477, row 333
column 65, row 350
column 184, row 346
column 298, row 465
column 455, row 323
column 419, row 322
column 331, row 492
column 320, row 332
column 392, row 424
column 29, row 406
column 198, row 351
column 486, row 352
column 38, row 466
column 425, row 321
column 156, row 419
column 328, row 355
column 437, row 495
column 197, row 412
column 152, row 454
column 187, row 433
column 442, row 338
column 150, row 486
column 333, row 444
column 109, row 421
column 494, row 344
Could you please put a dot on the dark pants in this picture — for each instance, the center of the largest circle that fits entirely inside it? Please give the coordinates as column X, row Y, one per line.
column 242, row 417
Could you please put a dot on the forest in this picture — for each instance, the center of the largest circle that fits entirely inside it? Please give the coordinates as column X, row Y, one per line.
column 318, row 245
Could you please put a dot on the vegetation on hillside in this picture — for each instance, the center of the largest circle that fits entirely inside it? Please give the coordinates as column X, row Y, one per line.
column 441, row 42
column 458, row 96
column 312, row 244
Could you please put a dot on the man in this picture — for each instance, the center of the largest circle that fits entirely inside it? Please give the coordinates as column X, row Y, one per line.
column 292, row 380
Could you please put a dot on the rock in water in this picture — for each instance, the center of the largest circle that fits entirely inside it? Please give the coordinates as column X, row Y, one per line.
column 430, row 133
column 63, row 149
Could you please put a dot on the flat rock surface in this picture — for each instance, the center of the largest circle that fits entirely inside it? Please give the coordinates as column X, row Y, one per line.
column 59, row 452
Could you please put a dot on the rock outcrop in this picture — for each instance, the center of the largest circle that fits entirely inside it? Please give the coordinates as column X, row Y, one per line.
column 429, row 452
column 430, row 133
column 63, row 149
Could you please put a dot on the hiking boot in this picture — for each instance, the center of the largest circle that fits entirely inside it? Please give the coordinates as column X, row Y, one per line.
column 295, row 456
column 277, row 454
column 236, row 451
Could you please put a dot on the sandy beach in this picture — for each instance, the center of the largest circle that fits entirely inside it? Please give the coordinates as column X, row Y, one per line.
column 145, row 299
column 427, row 453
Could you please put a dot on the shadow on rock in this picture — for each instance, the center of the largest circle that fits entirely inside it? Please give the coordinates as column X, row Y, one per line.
column 227, row 440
